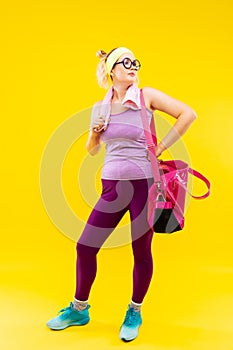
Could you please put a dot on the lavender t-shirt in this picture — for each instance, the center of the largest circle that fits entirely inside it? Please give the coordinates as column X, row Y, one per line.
column 126, row 150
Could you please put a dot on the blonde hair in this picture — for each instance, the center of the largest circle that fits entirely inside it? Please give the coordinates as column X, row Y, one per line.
column 101, row 72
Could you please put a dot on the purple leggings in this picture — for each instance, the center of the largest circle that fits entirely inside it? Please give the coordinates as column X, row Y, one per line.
column 118, row 196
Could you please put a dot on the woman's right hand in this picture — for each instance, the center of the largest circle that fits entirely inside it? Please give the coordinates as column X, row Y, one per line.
column 98, row 123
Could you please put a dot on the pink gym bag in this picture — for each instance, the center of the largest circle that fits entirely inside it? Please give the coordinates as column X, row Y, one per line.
column 166, row 199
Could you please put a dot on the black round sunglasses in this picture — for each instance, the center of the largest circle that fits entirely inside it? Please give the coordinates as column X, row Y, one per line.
column 127, row 63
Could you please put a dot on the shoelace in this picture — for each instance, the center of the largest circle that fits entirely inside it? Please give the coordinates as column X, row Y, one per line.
column 65, row 309
column 130, row 317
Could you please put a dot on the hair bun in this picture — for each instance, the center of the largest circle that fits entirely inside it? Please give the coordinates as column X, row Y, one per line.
column 101, row 54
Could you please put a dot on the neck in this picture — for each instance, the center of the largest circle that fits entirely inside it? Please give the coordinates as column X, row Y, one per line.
column 119, row 92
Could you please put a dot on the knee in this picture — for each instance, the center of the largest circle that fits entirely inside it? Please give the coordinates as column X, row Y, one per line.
column 142, row 249
column 85, row 251
column 143, row 256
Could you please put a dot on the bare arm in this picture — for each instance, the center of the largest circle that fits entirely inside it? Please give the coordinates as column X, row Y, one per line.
column 93, row 144
column 184, row 114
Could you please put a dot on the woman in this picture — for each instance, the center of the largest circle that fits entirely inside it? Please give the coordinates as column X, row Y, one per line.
column 126, row 178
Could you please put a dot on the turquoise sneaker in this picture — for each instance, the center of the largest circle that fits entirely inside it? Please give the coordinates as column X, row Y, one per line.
column 131, row 324
column 69, row 317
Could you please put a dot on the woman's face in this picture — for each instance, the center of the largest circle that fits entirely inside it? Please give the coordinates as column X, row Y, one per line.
column 120, row 74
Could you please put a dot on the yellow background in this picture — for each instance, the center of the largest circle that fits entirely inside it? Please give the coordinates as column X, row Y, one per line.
column 48, row 74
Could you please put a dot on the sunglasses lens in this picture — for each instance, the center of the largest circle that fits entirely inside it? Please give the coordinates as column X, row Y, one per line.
column 127, row 63
column 136, row 64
